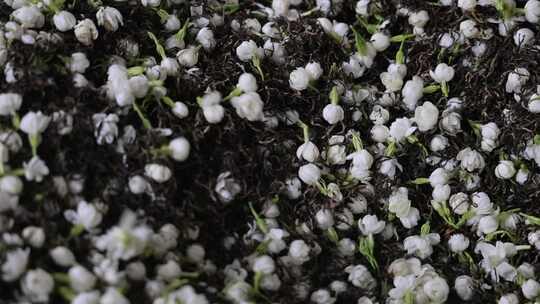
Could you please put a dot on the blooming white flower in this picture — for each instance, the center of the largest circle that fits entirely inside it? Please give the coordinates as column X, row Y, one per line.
column 369, row 224
column 226, row 187
column 333, row 113
column 458, row 243
column 532, row 11
column 9, row 103
column 157, row 172
column 37, row 284
column 106, row 129
column 64, row 21
column 360, row 277
column 247, row 83
column 249, row 106
column 35, row 169
column 299, row 79
column 86, row 215
column 110, row 18
column 426, row 116
column 464, row 286
column 523, row 37
column 307, row 151
column 442, row 73
column 412, row 92
column 15, row 264
column 86, row 31
column 62, row 256
column 309, row 174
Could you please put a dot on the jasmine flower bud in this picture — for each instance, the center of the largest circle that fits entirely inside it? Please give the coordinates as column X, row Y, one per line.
column 412, row 92
column 523, row 37
column 37, row 284
column 418, row 19
column 458, row 243
column 450, row 123
column 532, row 11
column 10, row 103
column 442, row 73
column 247, row 50
column 62, row 256
column 247, row 83
column 333, row 113
column 188, row 57
column 505, row 169
column 299, row 79
column 370, row 225
column 360, row 277
column 380, row 133
column 293, row 188
column 249, row 106
column 487, row 225
column 534, row 104
column 522, row 176
column 110, row 18
column 276, row 51
column 464, row 286
column 509, row 298
column 168, row 271
column 516, row 80
column 436, row 290
column 11, row 184
column 205, row 37
column 426, row 116
column 379, row 115
column 438, row 143
column 324, row 219
column 309, row 174
column 401, row 128
column 78, row 63
column 530, row 289
column 170, row 66
column 34, row 236
column 308, row 151
column 139, row 86
column 86, row 32
column 226, row 187
column 90, row 297
column 314, row 70
column 391, row 81
column 158, row 173
column 468, row 29
column 179, row 149
column 441, row 193
column 466, row 5
column 34, row 123
column 299, row 252
column 80, row 279
column 322, row 296
column 64, row 21
column 421, row 246
column 380, row 41
column 106, row 129
column 534, row 239
column 35, row 169
column 113, row 296
column 346, row 247
column 29, row 16
column 15, row 264
column 264, row 264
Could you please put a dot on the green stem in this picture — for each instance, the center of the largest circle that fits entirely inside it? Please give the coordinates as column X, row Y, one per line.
column 145, row 121
column 256, row 61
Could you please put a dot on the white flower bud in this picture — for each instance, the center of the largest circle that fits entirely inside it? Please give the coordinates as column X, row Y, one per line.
column 471, row 160
column 464, row 286
column 324, row 218
column 293, row 188
column 380, row 133
column 505, row 169
column 522, row 176
column 523, row 37
column 468, row 29
column 188, row 57
column 370, row 224
column 530, row 289
column 532, row 11
column 534, row 104
column 29, row 16
column 360, row 277
column 442, row 73
column 9, row 103
column 34, row 123
column 441, row 193
column 213, row 114
column 78, row 63
column 516, row 80
column 333, row 113
column 11, row 184
column 438, row 143
column 86, row 32
column 180, row 110
column 466, row 5
column 426, row 116
column 179, row 148
column 314, row 70
column 35, row 236
column 157, row 172
column 488, row 224
column 412, row 91
column 172, row 23
column 205, row 37
column 80, row 279
column 64, row 21
column 247, row 83
column 436, row 290
column 247, row 50
column 380, row 41
column 299, row 251
column 264, row 264
column 418, row 19
column 249, row 106
column 458, row 243
column 309, row 174
column 62, row 256
column 37, row 284
column 110, row 18
column 299, row 79
column 401, row 128
column 308, row 151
